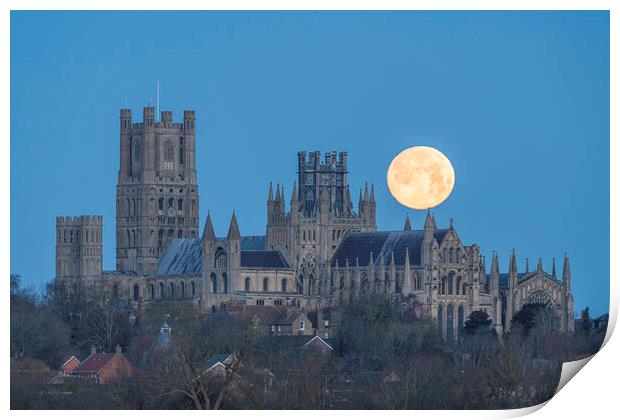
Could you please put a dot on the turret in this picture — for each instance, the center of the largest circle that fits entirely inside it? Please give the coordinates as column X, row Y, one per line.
column 294, row 205
column 234, row 251
column 270, row 204
column 512, row 270
column 406, row 287
column 233, row 229
column 429, row 237
column 539, row 268
column 189, row 134
column 553, row 274
column 125, row 146
column 208, row 234
column 494, row 283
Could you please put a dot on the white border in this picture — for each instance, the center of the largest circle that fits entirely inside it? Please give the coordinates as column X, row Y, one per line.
column 592, row 395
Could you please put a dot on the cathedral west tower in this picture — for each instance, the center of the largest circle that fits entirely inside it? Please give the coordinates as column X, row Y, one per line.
column 157, row 191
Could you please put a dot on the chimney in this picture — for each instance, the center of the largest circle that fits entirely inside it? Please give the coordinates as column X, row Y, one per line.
column 119, row 350
column 93, row 350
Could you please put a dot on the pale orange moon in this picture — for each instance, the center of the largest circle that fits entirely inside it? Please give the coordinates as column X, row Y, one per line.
column 420, row 177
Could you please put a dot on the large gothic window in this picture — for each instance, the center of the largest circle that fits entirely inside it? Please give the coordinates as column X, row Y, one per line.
column 284, row 284
column 213, row 283
column 266, row 284
column 247, row 284
column 221, row 261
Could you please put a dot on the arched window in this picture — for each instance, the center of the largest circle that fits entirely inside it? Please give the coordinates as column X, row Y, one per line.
column 162, row 291
column 169, row 152
column 193, row 289
column 220, row 259
column 136, row 151
column 115, row 291
column 247, row 284
column 160, row 238
column 213, row 283
column 266, row 284
column 442, row 290
column 171, row 202
column 172, row 290
column 440, row 317
column 151, row 291
column 180, row 204
column 181, row 155
column 460, row 318
column 284, row 284
column 450, row 290
column 182, row 289
column 180, row 233
column 161, row 203
column 136, row 292
column 224, row 283
column 450, row 323
column 458, row 285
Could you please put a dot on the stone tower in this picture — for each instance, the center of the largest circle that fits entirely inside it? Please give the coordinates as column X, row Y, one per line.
column 79, row 251
column 157, row 192
column 321, row 214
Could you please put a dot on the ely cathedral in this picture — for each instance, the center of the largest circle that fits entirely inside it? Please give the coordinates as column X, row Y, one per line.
column 318, row 249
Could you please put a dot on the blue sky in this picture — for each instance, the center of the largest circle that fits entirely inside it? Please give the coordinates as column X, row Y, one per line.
column 518, row 101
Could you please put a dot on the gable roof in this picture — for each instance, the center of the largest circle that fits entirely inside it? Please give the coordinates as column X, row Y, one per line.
column 262, row 259
column 66, row 359
column 181, row 257
column 359, row 245
column 94, row 363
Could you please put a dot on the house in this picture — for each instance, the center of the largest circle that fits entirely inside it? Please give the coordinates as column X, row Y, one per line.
column 69, row 363
column 293, row 345
column 323, row 322
column 293, row 323
column 103, row 368
column 217, row 364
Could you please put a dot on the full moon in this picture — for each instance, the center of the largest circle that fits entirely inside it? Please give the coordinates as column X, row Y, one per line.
column 420, row 177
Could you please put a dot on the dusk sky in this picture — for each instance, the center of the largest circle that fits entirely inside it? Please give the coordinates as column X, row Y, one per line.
column 518, row 101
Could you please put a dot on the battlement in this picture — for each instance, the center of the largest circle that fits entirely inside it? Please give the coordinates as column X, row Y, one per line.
column 189, row 114
column 79, row 220
column 331, row 160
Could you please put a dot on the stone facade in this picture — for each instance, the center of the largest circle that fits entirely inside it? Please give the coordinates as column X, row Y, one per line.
column 157, row 192
column 318, row 254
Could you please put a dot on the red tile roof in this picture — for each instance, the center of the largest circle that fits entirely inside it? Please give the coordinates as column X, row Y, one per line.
column 66, row 360
column 94, row 363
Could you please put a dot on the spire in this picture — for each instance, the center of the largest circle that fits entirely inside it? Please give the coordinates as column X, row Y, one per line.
column 371, row 261
column 347, row 197
column 434, row 222
column 208, row 234
column 366, row 192
column 429, row 222
column 372, row 192
column 281, row 204
column 407, row 223
column 553, row 274
column 566, row 272
column 513, row 262
column 294, row 198
column 539, row 266
column 270, row 196
column 495, row 264
column 277, row 193
column 233, row 230
column 527, row 265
